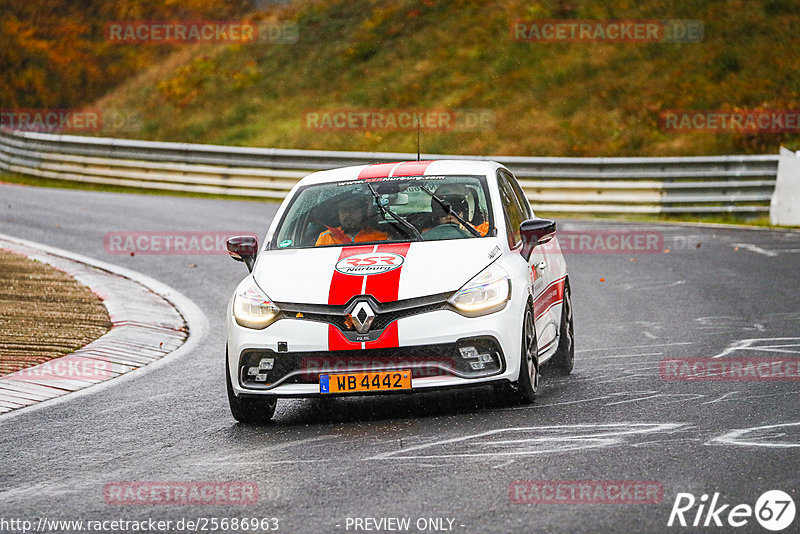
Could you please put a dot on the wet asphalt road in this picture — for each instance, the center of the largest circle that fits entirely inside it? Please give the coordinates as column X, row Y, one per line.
column 439, row 455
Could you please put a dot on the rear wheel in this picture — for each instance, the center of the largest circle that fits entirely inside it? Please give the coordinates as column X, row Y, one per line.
column 564, row 358
column 251, row 410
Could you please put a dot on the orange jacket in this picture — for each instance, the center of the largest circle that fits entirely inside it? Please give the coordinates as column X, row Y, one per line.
column 483, row 228
column 336, row 237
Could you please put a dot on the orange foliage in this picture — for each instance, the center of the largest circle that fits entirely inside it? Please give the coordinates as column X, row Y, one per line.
column 53, row 52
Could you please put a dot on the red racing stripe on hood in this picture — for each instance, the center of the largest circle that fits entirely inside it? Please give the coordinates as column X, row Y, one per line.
column 344, row 286
column 404, row 168
column 384, row 287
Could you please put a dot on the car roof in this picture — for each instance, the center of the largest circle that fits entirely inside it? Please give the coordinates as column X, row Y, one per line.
column 404, row 168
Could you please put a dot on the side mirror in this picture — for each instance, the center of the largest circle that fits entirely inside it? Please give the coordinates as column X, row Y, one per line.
column 243, row 248
column 535, row 232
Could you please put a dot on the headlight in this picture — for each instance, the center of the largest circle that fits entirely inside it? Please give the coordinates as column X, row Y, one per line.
column 486, row 293
column 253, row 309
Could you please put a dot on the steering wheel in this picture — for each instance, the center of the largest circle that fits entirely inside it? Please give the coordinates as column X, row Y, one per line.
column 445, row 231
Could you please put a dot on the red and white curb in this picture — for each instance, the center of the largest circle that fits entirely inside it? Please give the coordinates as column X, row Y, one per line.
column 150, row 321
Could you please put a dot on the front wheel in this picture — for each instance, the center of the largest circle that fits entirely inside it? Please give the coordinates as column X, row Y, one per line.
column 526, row 387
column 251, row 410
column 528, row 383
column 564, row 358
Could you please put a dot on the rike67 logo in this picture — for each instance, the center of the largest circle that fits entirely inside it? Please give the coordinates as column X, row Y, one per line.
column 774, row 510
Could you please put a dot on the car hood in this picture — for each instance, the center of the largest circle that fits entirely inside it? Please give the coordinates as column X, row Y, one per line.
column 388, row 272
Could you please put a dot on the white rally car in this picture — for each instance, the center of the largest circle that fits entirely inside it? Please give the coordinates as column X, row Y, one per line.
column 398, row 277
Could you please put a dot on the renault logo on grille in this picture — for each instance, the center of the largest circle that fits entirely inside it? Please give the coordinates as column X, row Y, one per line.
column 362, row 317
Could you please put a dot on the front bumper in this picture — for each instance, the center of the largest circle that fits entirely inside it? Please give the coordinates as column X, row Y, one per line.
column 468, row 358
column 428, row 345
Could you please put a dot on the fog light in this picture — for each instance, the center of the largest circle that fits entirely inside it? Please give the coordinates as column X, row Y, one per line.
column 471, row 353
column 261, row 378
column 252, row 371
column 266, row 363
column 468, row 352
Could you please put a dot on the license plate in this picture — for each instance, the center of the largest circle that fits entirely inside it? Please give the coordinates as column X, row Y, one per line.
column 383, row 381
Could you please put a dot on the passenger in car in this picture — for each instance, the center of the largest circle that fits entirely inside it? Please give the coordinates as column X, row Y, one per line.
column 354, row 224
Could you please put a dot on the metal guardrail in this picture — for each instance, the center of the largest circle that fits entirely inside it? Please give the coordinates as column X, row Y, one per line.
column 713, row 184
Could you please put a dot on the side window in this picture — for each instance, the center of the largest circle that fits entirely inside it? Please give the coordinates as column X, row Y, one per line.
column 514, row 213
column 520, row 194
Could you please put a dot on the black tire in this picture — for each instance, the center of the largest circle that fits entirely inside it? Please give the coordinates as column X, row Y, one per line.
column 249, row 410
column 564, row 358
column 526, row 387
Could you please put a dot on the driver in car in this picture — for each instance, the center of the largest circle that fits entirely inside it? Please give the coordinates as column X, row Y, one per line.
column 445, row 224
column 354, row 224
column 459, row 205
column 456, row 195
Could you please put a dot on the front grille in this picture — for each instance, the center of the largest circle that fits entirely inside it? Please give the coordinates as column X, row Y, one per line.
column 382, row 320
column 385, row 313
column 423, row 361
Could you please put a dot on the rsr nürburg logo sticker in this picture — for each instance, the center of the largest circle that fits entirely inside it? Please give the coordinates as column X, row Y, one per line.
column 369, row 263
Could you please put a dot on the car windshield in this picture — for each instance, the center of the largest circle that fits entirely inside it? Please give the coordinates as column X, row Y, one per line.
column 379, row 210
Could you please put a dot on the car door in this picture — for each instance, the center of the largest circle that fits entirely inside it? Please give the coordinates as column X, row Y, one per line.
column 517, row 209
